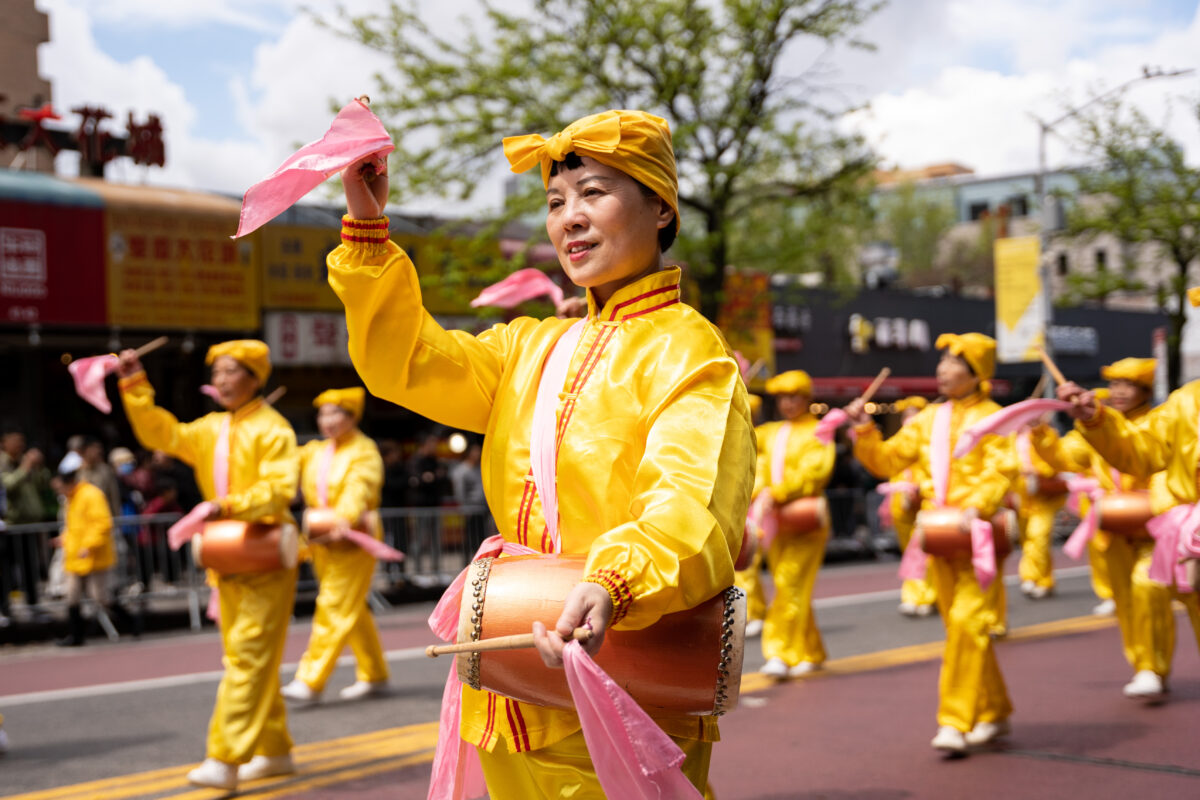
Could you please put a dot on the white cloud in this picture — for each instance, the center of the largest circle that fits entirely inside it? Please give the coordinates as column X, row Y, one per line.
column 255, row 15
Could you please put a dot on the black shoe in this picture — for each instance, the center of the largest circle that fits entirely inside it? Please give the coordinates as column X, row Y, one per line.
column 76, row 628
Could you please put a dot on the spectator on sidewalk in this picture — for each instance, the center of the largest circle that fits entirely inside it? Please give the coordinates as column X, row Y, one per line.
column 98, row 473
column 29, row 498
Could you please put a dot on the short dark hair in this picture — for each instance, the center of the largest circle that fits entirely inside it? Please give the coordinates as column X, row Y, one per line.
column 666, row 236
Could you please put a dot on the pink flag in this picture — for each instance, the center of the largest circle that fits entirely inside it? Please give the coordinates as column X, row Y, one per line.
column 828, row 425
column 354, row 134
column 1005, row 421
column 522, row 285
column 89, row 375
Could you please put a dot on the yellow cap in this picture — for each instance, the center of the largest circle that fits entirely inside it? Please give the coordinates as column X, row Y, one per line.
column 636, row 143
column 976, row 349
column 794, row 381
column 1135, row 370
column 250, row 353
column 916, row 401
column 1194, row 295
column 351, row 399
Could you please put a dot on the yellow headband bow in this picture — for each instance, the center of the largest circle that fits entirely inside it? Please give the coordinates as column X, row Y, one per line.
column 351, row 400
column 634, row 142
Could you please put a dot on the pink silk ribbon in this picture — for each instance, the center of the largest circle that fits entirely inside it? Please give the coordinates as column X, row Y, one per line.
column 983, row 552
column 1077, row 542
column 354, row 134
column 522, row 285
column 189, row 525
column 1174, row 531
column 89, row 374
column 827, row 426
column 221, row 460
column 323, row 467
column 366, row 541
column 543, row 448
column 887, row 490
column 1005, row 421
column 633, row 757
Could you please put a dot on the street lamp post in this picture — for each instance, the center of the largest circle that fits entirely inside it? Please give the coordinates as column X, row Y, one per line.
column 1044, row 210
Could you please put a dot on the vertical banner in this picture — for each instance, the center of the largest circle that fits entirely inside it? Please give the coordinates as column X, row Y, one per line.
column 1020, row 299
column 745, row 319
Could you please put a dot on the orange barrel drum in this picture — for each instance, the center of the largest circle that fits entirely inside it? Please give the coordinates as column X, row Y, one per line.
column 686, row 663
column 230, row 546
column 944, row 532
column 317, row 523
column 1052, row 486
column 803, row 515
column 745, row 556
column 1125, row 513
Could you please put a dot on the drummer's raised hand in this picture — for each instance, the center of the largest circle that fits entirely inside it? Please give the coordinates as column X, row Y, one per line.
column 366, row 183
column 856, row 411
column 1084, row 405
column 587, row 605
column 128, row 363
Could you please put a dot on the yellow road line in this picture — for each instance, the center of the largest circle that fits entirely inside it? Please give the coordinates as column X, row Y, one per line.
column 393, row 748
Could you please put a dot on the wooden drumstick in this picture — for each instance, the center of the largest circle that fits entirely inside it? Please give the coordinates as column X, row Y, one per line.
column 150, row 346
column 274, row 396
column 1052, row 368
column 875, row 384
column 1040, row 388
column 514, row 642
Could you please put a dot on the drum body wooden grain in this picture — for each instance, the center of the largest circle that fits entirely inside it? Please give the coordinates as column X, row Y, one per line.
column 686, row 663
column 803, row 515
column 944, row 532
column 230, row 546
column 1125, row 513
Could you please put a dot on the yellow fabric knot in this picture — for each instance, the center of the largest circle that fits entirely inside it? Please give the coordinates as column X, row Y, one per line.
column 1134, row 370
column 976, row 349
column 252, row 354
column 351, row 400
column 599, row 133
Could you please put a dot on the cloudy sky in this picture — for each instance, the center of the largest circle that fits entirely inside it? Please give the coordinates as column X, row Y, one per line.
column 239, row 82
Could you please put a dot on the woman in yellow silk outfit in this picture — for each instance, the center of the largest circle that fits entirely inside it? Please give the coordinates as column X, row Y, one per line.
column 791, row 641
column 973, row 706
column 917, row 595
column 344, row 570
column 1131, row 439
column 655, row 444
column 749, row 580
column 249, row 723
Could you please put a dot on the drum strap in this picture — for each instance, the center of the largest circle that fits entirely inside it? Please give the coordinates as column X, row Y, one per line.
column 939, row 453
column 1023, row 450
column 543, row 453
column 779, row 452
column 221, row 460
column 323, row 469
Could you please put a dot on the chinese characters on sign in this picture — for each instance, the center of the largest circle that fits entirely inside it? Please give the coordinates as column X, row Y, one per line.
column 888, row 333
column 299, row 338
column 23, row 263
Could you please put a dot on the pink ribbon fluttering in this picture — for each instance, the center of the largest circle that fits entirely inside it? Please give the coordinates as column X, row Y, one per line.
column 827, row 426
column 983, row 548
column 633, row 757
column 354, row 134
column 983, row 552
column 1090, row 523
column 1007, row 420
column 522, row 285
column 89, row 374
column 887, row 490
column 914, row 561
column 1174, row 531
column 189, row 525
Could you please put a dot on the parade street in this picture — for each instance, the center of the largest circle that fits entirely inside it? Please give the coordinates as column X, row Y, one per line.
column 127, row 720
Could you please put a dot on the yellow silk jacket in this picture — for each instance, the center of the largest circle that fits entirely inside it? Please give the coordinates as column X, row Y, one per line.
column 1163, row 439
column 88, row 527
column 807, row 464
column 978, row 480
column 355, row 476
column 263, row 461
column 656, row 448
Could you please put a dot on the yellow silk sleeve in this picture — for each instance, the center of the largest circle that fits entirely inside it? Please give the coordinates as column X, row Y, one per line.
column 994, row 477
column 688, row 501
column 1140, row 449
column 155, row 427
column 884, row 458
column 275, row 466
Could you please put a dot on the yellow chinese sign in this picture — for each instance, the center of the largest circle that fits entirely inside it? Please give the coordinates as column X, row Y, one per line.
column 293, row 267
column 1020, row 299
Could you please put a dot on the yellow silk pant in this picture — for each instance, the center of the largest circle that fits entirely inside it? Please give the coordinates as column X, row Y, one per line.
column 790, row 629
column 564, row 770
column 249, row 718
column 749, row 580
column 995, row 601
column 916, row 592
column 1101, row 582
column 1037, row 532
column 1144, row 607
column 342, row 617
column 971, row 688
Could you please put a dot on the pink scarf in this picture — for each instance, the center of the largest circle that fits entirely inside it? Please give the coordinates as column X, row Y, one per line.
column 364, row 540
column 762, row 516
column 1087, row 527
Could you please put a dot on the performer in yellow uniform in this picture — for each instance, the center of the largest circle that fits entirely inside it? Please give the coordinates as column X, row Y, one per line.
column 917, row 595
column 791, row 640
column 1097, row 561
column 1039, row 501
column 749, row 580
column 1134, row 439
column 353, row 479
column 655, row 448
column 87, row 543
column 249, row 722
column 973, row 703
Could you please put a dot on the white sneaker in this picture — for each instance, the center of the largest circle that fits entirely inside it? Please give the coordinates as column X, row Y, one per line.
column 924, row 610
column 907, row 609
column 1146, row 684
column 3, row 742
column 1105, row 608
column 1039, row 592
column 214, row 774
column 1027, row 587
column 754, row 628
column 985, row 732
column 949, row 740
column 300, row 692
column 803, row 668
column 775, row 668
column 261, row 767
column 361, row 689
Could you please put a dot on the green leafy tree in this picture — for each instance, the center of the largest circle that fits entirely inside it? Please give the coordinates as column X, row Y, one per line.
column 914, row 222
column 747, row 132
column 1141, row 190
